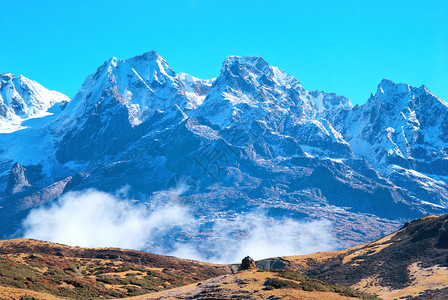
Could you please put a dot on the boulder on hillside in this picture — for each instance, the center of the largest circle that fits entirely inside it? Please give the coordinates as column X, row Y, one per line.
column 247, row 264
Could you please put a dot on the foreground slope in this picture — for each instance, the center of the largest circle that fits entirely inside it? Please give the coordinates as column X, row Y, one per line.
column 85, row 273
column 412, row 262
column 43, row 270
column 259, row 285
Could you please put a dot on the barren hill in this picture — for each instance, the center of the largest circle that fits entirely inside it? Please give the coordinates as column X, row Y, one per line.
column 412, row 263
column 31, row 269
column 85, row 273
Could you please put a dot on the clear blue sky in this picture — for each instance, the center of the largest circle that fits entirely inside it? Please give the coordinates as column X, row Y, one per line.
column 345, row 47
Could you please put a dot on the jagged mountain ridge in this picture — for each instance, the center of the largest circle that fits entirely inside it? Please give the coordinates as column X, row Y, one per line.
column 254, row 134
column 402, row 129
column 402, row 125
column 138, row 90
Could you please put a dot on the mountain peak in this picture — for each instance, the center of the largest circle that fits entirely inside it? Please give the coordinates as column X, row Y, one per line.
column 391, row 92
column 251, row 60
column 112, row 61
column 151, row 64
column 425, row 88
column 256, row 70
column 252, row 63
column 138, row 86
column 7, row 76
column 148, row 59
column 387, row 86
column 150, row 55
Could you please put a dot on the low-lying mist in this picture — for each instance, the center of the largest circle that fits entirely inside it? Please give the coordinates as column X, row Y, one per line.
column 96, row 219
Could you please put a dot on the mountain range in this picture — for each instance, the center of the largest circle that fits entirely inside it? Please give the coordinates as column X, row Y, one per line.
column 253, row 139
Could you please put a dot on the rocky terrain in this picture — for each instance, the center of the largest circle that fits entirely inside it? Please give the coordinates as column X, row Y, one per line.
column 22, row 99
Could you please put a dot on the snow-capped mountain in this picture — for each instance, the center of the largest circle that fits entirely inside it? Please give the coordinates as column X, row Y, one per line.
column 22, row 99
column 402, row 130
column 118, row 100
column 251, row 139
column 141, row 85
column 252, row 94
column 400, row 124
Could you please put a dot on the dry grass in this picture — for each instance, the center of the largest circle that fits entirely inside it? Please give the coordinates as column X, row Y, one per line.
column 411, row 262
column 422, row 279
column 310, row 261
column 8, row 293
column 408, row 263
column 86, row 273
column 243, row 285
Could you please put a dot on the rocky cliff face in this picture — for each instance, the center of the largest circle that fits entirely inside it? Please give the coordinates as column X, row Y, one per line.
column 252, row 138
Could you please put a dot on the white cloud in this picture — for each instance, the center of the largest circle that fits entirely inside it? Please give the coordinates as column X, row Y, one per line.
column 97, row 219
column 260, row 237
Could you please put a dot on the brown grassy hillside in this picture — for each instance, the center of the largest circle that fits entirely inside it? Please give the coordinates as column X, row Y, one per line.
column 253, row 284
column 31, row 269
column 85, row 273
column 410, row 263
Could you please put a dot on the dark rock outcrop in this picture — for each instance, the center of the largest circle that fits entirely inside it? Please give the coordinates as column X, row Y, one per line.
column 247, row 264
column 17, row 180
column 22, row 177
